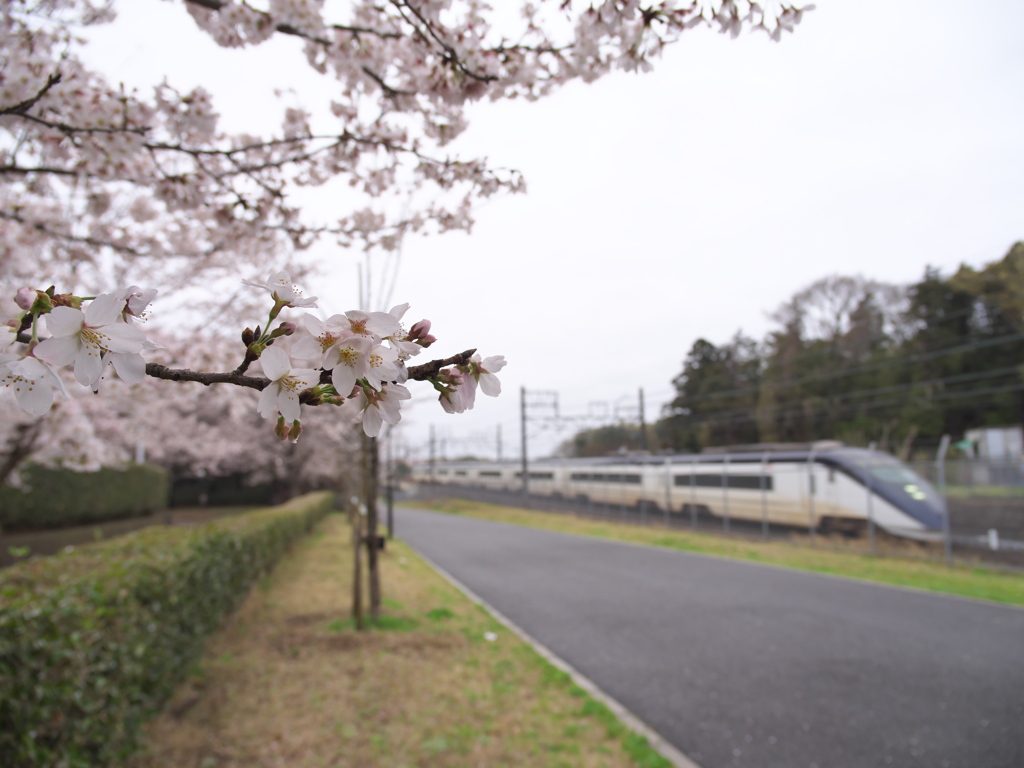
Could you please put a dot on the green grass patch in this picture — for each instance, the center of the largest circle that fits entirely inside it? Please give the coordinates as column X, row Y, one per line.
column 985, row 491
column 385, row 623
column 440, row 614
column 904, row 566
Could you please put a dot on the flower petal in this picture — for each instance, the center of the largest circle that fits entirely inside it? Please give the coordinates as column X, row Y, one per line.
column 344, row 378
column 34, row 396
column 58, row 350
column 121, row 337
column 490, row 385
column 267, row 406
column 275, row 363
column 372, row 421
column 288, row 404
column 88, row 364
column 64, row 321
column 130, row 368
column 104, row 310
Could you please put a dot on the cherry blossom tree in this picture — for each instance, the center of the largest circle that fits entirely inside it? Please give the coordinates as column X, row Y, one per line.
column 100, row 184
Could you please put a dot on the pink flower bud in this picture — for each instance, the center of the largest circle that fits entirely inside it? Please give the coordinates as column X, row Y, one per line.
column 281, row 430
column 295, row 431
column 25, row 298
column 421, row 329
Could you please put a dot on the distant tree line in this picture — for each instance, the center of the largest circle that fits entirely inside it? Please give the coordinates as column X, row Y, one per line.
column 856, row 360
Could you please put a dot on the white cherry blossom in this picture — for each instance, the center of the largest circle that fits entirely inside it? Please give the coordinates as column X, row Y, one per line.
column 348, row 360
column 323, row 334
column 381, row 365
column 283, row 290
column 379, row 324
column 136, row 302
column 32, row 382
column 483, row 371
column 286, row 384
column 380, row 407
column 460, row 393
column 82, row 337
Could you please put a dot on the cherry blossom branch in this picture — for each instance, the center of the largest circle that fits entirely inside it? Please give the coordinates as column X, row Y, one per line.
column 287, row 29
column 27, row 104
column 451, row 56
column 426, row 371
column 421, row 372
column 158, row 371
column 41, row 227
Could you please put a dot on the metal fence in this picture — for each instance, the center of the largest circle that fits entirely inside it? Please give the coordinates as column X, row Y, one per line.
column 985, row 500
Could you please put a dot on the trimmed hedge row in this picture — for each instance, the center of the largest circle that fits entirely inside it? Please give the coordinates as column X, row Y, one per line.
column 94, row 641
column 62, row 497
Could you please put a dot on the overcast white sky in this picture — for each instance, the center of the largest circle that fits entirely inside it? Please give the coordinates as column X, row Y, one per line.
column 879, row 138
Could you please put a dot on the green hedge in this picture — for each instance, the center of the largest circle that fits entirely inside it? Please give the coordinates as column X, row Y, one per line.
column 60, row 497
column 92, row 642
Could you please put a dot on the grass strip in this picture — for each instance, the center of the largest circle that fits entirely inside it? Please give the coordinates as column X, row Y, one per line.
column 839, row 558
column 437, row 681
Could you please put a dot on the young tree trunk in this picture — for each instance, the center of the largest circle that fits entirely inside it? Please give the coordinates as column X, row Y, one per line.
column 357, row 547
column 371, row 473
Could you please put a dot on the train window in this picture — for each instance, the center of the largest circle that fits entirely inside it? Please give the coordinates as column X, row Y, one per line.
column 460, row 472
column 605, row 477
column 539, row 475
column 488, row 473
column 750, row 482
column 893, row 474
column 442, row 471
column 745, row 482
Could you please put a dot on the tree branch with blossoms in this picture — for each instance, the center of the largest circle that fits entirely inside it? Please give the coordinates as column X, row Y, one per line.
column 101, row 177
column 360, row 358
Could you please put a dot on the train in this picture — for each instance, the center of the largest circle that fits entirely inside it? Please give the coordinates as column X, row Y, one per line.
column 824, row 486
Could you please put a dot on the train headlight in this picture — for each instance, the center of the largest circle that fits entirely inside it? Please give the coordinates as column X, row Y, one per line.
column 914, row 492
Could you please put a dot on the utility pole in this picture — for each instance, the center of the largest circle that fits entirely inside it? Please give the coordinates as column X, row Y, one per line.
column 433, row 455
column 643, row 424
column 499, row 442
column 522, row 423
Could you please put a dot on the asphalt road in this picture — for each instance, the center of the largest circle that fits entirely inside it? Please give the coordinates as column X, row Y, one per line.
column 737, row 664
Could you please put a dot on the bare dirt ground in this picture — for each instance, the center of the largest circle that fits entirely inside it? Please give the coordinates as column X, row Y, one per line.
column 289, row 682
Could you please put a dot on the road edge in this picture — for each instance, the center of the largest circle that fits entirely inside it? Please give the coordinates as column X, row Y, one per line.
column 631, row 721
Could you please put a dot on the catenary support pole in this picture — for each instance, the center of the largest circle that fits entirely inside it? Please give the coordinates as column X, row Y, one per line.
column 810, row 495
column 764, row 495
column 643, row 423
column 693, row 494
column 725, row 495
column 522, row 427
column 940, row 465
column 871, row 506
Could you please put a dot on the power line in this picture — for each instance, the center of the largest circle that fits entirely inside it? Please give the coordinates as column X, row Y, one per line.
column 959, row 378
column 845, row 373
column 837, row 408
